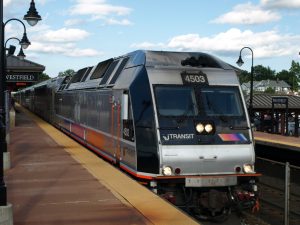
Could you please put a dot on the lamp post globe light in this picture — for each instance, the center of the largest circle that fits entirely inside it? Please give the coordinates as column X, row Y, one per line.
column 32, row 18
column 240, row 62
column 21, row 54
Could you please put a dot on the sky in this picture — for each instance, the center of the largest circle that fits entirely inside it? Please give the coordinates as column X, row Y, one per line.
column 77, row 33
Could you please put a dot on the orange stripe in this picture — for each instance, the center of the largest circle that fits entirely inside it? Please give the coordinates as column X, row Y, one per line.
column 78, row 130
column 136, row 174
column 101, row 153
column 96, row 139
column 226, row 175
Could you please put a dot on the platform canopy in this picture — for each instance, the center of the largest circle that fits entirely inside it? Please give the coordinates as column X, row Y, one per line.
column 262, row 102
column 279, row 110
column 21, row 72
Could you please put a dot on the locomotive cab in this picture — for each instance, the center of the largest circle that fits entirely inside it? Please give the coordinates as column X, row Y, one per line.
column 193, row 136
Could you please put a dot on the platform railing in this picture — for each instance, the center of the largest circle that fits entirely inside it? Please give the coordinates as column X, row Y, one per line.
column 287, row 185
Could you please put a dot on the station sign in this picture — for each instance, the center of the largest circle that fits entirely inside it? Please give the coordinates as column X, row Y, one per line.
column 21, row 78
column 279, row 100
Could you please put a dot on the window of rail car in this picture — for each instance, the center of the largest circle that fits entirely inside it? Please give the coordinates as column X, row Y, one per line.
column 221, row 101
column 64, row 83
column 118, row 72
column 87, row 72
column 101, row 69
column 109, row 71
column 175, row 101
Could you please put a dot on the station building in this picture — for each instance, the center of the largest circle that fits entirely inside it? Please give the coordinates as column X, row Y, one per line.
column 21, row 72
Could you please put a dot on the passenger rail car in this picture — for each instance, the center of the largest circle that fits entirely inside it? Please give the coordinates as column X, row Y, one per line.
column 176, row 121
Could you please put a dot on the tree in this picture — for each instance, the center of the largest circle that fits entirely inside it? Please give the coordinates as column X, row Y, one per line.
column 295, row 68
column 285, row 76
column 263, row 73
column 270, row 90
column 295, row 75
column 42, row 77
column 68, row 72
column 244, row 76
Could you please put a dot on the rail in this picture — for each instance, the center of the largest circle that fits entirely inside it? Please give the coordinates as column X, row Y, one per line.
column 287, row 185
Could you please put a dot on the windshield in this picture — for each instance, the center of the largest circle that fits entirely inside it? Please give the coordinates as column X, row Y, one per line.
column 175, row 101
column 212, row 101
column 221, row 101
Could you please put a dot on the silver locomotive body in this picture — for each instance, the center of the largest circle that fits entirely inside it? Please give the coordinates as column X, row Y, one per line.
column 176, row 121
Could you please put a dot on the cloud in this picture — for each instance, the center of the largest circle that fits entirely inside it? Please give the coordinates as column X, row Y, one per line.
column 87, row 52
column 63, row 35
column 98, row 8
column 290, row 4
column 6, row 2
column 68, row 49
column 264, row 44
column 60, row 42
column 148, row 45
column 73, row 22
column 247, row 14
column 123, row 22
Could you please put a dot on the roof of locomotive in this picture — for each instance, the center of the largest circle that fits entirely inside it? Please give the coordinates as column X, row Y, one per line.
column 168, row 58
column 107, row 73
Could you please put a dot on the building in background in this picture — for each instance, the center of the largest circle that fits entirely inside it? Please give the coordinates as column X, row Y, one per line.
column 21, row 72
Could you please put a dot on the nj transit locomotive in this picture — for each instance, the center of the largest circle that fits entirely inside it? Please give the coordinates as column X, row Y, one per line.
column 175, row 121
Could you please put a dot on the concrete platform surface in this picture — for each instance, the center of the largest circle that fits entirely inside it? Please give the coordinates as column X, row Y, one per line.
column 54, row 180
column 277, row 140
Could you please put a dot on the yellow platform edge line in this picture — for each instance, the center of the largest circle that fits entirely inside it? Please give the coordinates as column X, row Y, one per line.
column 156, row 210
column 277, row 142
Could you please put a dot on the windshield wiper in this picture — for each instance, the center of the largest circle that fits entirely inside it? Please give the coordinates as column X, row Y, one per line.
column 239, row 127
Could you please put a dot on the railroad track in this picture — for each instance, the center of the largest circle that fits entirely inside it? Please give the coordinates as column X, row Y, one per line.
column 272, row 193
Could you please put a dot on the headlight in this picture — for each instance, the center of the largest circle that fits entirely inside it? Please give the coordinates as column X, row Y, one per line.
column 208, row 128
column 200, row 127
column 248, row 168
column 167, row 171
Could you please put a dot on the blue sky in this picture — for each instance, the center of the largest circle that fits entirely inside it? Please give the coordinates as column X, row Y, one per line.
column 77, row 33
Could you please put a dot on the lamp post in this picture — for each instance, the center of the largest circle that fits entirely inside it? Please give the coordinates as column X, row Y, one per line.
column 21, row 54
column 240, row 62
column 24, row 42
column 32, row 18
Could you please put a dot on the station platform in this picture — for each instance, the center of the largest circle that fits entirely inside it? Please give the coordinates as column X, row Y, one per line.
column 54, row 180
column 277, row 140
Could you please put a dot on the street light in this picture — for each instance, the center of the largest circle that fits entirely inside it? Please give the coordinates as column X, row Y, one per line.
column 24, row 41
column 21, row 54
column 32, row 17
column 240, row 62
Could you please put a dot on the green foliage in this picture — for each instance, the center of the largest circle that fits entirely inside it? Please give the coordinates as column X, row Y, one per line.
column 292, row 77
column 263, row 73
column 42, row 77
column 244, row 76
column 68, row 72
column 270, row 90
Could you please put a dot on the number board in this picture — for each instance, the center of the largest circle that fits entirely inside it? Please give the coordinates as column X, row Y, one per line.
column 194, row 78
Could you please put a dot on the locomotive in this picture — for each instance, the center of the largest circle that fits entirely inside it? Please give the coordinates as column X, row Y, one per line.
column 175, row 121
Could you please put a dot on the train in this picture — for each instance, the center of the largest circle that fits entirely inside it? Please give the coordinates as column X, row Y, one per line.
column 175, row 121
